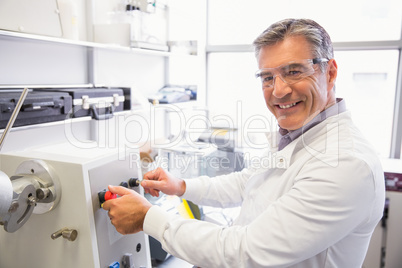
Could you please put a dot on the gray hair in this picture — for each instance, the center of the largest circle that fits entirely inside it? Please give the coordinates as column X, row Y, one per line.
column 315, row 34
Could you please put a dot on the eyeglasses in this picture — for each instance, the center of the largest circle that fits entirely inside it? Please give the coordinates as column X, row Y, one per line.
column 290, row 72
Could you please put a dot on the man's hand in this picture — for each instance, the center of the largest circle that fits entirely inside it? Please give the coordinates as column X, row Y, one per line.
column 127, row 212
column 159, row 180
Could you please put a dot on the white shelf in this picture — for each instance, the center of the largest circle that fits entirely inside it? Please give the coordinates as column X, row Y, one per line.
column 85, row 44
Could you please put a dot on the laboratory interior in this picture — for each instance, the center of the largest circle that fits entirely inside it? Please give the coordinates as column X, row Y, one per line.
column 99, row 92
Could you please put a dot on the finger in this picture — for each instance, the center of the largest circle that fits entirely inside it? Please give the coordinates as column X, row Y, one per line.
column 119, row 190
column 153, row 174
column 106, row 205
column 154, row 193
column 151, row 184
column 151, row 187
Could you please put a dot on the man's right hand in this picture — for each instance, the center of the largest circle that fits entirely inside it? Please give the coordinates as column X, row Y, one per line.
column 160, row 180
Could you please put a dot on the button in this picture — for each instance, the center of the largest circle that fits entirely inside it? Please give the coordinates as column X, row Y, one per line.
column 109, row 195
column 127, row 260
column 115, row 264
column 124, row 184
column 105, row 195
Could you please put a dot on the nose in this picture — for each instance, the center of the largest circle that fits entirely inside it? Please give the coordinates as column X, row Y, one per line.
column 281, row 89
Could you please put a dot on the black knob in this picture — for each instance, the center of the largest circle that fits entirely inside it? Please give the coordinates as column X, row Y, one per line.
column 105, row 195
column 101, row 196
column 134, row 182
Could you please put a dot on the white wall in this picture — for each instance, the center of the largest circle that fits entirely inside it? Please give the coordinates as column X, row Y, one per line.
column 28, row 61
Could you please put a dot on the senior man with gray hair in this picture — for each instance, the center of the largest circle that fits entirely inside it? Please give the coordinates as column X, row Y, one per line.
column 317, row 208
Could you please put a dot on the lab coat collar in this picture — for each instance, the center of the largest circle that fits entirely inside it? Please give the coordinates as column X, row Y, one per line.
column 283, row 159
column 278, row 159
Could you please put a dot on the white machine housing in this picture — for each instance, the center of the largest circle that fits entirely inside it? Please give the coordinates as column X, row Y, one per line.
column 82, row 173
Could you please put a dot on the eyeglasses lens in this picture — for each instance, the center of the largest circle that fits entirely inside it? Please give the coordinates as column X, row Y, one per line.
column 289, row 73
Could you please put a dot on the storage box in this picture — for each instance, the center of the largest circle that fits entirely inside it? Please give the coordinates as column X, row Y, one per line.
column 38, row 107
column 100, row 103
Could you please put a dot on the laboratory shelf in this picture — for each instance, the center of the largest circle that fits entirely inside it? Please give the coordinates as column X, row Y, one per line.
column 87, row 44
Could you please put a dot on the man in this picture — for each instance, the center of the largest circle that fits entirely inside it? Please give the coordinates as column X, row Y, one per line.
column 319, row 202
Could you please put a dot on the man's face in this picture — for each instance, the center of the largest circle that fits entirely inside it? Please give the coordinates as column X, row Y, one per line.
column 296, row 104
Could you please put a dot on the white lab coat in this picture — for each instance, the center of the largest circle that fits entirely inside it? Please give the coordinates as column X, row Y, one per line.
column 313, row 204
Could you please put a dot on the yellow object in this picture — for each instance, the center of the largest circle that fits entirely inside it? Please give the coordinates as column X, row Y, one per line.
column 185, row 210
column 220, row 132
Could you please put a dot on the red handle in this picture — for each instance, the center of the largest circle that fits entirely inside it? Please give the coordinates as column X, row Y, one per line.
column 109, row 195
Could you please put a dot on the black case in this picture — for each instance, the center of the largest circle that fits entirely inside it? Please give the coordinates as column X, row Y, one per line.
column 100, row 103
column 38, row 107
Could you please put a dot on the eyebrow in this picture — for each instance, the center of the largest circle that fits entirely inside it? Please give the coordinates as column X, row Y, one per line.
column 292, row 64
column 265, row 72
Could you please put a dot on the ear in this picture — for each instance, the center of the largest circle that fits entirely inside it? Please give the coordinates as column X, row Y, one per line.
column 332, row 73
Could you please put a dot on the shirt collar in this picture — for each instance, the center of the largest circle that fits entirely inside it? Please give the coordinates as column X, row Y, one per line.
column 337, row 108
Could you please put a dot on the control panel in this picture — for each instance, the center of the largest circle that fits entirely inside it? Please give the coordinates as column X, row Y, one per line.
column 115, row 248
column 107, row 195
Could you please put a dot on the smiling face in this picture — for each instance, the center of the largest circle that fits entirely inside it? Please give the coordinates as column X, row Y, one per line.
column 296, row 104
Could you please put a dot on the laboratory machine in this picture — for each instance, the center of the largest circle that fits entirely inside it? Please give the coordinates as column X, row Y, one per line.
column 59, row 185
column 51, row 194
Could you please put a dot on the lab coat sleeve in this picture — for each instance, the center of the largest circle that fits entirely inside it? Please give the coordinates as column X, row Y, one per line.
column 325, row 204
column 220, row 191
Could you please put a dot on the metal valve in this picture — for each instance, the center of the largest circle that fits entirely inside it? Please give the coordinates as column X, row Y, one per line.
column 69, row 234
column 36, row 189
